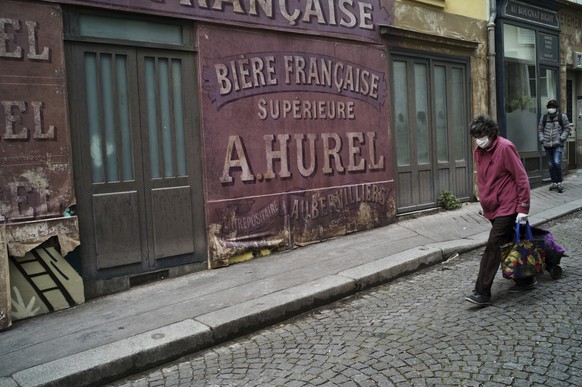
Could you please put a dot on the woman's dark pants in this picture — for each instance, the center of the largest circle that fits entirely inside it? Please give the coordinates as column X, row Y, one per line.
column 502, row 231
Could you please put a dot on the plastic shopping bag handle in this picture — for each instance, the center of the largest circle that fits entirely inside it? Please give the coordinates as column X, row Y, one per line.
column 528, row 233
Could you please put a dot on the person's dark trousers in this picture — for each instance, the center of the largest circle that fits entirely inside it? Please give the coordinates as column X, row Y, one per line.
column 502, row 231
column 554, row 157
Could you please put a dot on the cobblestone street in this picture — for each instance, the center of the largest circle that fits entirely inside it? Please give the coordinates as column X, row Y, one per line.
column 415, row 331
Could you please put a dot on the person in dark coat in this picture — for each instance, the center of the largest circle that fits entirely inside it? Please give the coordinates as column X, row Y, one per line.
column 553, row 132
column 504, row 194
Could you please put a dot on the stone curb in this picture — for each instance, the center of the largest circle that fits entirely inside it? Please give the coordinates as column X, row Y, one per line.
column 136, row 353
column 254, row 314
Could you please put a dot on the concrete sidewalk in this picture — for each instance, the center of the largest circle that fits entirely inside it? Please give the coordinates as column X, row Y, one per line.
column 118, row 335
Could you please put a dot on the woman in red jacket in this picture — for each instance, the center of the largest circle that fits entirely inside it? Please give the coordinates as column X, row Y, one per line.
column 504, row 194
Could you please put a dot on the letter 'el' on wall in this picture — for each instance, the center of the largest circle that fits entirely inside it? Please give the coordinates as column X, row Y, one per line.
column 34, row 141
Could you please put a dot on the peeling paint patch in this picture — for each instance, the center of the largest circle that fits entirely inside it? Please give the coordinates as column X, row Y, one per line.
column 309, row 217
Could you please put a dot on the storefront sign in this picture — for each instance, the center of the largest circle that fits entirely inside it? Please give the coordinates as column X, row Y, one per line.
column 532, row 14
column 35, row 169
column 357, row 18
column 296, row 140
column 548, row 48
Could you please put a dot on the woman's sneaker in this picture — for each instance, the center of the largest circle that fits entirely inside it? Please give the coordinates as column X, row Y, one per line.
column 560, row 187
column 553, row 186
column 479, row 299
column 522, row 287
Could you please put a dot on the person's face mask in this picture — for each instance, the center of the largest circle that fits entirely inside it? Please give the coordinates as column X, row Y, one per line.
column 552, row 110
column 483, row 142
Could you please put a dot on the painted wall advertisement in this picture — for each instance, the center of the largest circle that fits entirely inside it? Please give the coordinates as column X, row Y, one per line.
column 34, row 140
column 359, row 19
column 296, row 140
column 35, row 168
column 35, row 154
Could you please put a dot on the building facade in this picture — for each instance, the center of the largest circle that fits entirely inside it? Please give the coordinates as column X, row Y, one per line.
column 537, row 42
column 571, row 71
column 148, row 139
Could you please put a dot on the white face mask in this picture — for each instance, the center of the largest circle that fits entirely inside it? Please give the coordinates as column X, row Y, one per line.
column 483, row 142
column 552, row 110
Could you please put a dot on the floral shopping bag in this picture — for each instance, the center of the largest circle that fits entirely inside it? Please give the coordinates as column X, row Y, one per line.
column 522, row 257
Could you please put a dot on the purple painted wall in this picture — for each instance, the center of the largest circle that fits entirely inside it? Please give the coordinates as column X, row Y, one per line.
column 35, row 159
column 296, row 139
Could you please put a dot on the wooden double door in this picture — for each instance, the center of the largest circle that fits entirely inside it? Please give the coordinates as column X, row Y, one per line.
column 431, row 134
column 137, row 165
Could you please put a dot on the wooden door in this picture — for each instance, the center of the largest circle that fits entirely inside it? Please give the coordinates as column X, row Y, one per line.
column 138, row 182
column 430, row 122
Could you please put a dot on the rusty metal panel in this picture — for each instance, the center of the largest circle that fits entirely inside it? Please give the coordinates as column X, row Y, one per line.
column 296, row 140
column 360, row 19
column 35, row 167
